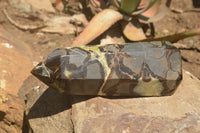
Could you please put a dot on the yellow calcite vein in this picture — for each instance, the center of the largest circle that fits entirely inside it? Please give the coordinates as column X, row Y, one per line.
column 103, row 62
column 151, row 88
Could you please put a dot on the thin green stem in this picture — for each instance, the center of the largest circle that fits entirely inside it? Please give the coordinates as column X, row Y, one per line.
column 176, row 37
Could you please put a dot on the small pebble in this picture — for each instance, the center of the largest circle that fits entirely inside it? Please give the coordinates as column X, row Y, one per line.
column 165, row 31
column 7, row 45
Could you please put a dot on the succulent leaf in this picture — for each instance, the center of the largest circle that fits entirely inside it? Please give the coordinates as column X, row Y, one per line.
column 176, row 37
column 133, row 30
column 152, row 14
column 115, row 3
column 159, row 16
column 151, row 3
column 99, row 24
column 128, row 6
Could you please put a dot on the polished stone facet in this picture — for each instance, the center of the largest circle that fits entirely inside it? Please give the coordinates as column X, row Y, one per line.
column 132, row 69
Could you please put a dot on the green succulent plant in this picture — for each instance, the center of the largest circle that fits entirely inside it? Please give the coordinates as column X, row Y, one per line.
column 132, row 14
column 131, row 6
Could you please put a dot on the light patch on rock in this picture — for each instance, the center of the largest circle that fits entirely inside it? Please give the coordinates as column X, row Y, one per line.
column 187, row 72
column 3, row 98
column 7, row 45
column 4, row 71
column 3, row 83
column 126, row 131
column 35, row 63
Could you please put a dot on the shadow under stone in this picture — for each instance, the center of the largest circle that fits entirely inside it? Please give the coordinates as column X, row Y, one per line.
column 44, row 101
column 2, row 115
column 52, row 102
column 49, row 103
column 196, row 3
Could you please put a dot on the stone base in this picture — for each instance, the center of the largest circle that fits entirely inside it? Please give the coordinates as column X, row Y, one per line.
column 48, row 111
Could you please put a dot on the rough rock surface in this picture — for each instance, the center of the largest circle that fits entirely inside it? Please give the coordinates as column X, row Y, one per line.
column 46, row 110
column 177, row 113
column 14, row 68
column 15, row 63
column 11, row 115
column 41, row 5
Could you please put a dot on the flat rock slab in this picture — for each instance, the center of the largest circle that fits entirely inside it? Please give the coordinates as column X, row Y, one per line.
column 177, row 113
column 46, row 111
column 11, row 115
column 15, row 64
column 49, row 111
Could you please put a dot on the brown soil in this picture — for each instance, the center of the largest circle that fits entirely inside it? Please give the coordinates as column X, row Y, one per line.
column 43, row 43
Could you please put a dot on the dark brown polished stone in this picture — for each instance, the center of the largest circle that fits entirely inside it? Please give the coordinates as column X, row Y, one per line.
column 132, row 69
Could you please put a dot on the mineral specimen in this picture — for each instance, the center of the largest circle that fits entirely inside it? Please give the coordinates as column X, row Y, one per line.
column 132, row 69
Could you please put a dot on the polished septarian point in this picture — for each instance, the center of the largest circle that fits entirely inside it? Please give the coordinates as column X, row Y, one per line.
column 131, row 69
